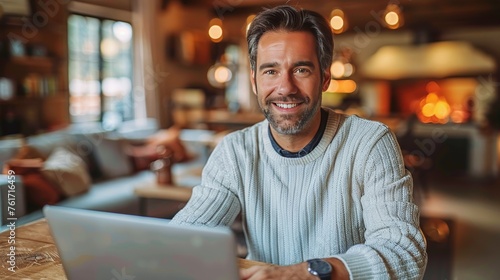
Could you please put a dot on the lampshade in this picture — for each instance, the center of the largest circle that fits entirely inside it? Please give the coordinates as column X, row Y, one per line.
column 435, row 60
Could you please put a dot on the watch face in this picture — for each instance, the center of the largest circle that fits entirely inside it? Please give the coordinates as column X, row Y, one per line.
column 319, row 267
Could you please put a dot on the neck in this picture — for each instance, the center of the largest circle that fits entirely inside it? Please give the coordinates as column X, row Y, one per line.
column 296, row 142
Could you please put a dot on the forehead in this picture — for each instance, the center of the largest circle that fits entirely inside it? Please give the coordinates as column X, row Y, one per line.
column 297, row 43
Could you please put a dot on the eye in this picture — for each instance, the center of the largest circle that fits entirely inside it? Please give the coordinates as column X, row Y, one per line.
column 270, row 72
column 302, row 71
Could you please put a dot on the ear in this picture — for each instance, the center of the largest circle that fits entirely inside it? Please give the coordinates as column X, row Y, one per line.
column 327, row 78
column 252, row 80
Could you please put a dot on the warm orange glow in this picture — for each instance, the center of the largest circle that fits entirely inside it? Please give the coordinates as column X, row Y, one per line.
column 458, row 116
column 449, row 99
column 337, row 69
column 215, row 31
column 222, row 74
column 436, row 230
column 249, row 21
column 348, row 69
column 392, row 18
column 338, row 22
column 442, row 110
column 342, row 86
column 428, row 110
column 431, row 98
column 333, row 87
column 432, row 87
column 434, row 109
column 348, row 86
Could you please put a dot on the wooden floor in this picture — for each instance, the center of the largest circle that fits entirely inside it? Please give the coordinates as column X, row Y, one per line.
column 471, row 210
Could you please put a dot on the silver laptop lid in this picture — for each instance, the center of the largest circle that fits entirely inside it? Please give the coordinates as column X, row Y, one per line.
column 101, row 245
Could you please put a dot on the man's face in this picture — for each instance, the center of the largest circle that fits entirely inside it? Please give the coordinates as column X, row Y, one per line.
column 287, row 80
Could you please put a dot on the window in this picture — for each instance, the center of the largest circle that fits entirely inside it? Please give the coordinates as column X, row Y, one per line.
column 100, row 70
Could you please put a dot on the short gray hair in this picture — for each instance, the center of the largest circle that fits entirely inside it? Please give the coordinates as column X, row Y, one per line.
column 288, row 18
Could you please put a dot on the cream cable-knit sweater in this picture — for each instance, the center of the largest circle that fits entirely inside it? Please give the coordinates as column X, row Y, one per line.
column 350, row 198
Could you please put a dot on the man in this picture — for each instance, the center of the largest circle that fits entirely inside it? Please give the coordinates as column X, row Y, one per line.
column 322, row 195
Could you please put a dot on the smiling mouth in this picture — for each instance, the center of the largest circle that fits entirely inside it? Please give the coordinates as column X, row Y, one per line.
column 286, row 105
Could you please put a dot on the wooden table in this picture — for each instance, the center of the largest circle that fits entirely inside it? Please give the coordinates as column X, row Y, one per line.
column 37, row 256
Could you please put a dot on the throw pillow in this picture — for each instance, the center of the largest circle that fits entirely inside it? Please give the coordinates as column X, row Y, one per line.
column 67, row 171
column 39, row 191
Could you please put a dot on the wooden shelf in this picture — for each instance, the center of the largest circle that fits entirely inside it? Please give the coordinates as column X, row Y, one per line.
column 21, row 100
column 30, row 61
column 58, row 97
column 40, row 83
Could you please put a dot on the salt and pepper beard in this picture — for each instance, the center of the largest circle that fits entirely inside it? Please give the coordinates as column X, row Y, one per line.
column 291, row 129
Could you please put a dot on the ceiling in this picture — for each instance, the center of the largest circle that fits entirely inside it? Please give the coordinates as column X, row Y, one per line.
column 418, row 14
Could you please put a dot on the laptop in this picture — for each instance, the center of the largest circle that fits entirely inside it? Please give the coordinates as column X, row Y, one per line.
column 110, row 246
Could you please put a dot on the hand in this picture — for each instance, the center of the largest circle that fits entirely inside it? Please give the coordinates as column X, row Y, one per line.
column 291, row 272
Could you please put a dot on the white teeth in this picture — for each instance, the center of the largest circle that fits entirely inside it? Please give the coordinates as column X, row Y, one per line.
column 286, row 106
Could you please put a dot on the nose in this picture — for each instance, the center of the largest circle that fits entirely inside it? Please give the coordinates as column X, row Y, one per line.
column 287, row 85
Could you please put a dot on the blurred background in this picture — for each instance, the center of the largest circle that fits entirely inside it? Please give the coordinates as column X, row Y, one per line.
column 428, row 69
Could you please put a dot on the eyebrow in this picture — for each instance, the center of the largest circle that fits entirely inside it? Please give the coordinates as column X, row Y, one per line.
column 268, row 65
column 298, row 63
column 304, row 63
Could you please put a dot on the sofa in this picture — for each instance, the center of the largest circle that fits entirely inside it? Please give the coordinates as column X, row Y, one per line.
column 98, row 170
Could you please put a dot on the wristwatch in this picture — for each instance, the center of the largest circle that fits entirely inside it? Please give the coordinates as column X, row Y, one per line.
column 320, row 268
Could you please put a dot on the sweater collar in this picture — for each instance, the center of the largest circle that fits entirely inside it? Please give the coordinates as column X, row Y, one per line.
column 309, row 147
column 333, row 123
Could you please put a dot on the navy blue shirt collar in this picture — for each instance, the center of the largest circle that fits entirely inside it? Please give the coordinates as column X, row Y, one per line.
column 309, row 147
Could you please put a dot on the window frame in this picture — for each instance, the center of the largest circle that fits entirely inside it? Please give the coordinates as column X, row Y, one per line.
column 103, row 13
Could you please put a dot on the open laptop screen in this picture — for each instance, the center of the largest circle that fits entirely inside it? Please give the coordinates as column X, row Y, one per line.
column 102, row 245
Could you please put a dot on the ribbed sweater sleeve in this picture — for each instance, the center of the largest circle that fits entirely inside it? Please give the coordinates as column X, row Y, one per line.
column 350, row 198
column 394, row 246
column 214, row 202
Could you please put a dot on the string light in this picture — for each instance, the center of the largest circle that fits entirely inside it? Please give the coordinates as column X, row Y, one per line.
column 215, row 31
column 338, row 21
column 342, row 66
column 393, row 17
column 342, row 86
column 219, row 75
